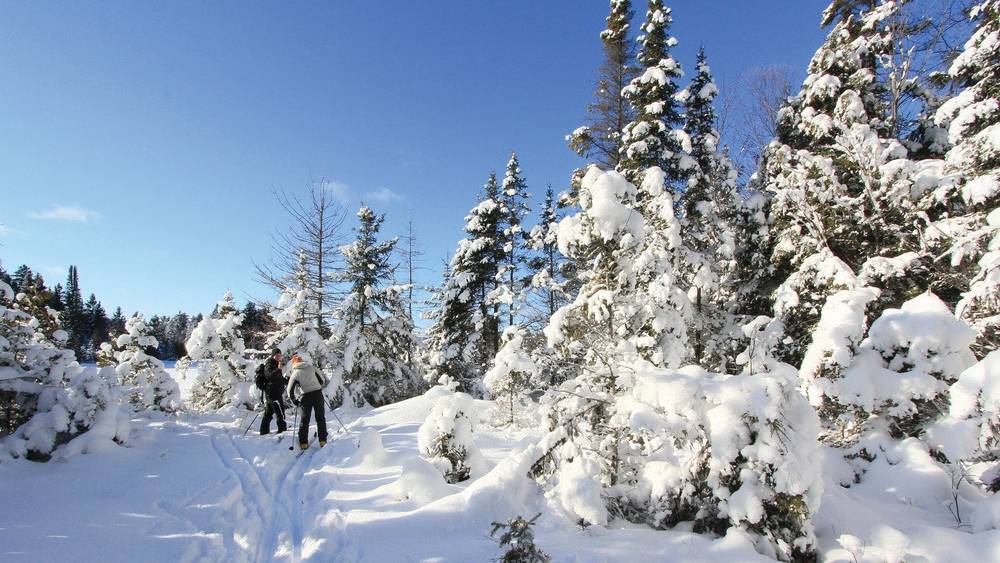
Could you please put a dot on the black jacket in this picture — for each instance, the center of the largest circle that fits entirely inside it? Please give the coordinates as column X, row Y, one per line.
column 275, row 380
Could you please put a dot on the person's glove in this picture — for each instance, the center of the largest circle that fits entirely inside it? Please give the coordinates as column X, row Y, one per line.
column 295, row 401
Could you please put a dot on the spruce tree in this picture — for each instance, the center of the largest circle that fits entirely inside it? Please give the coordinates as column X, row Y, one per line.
column 548, row 277
column 57, row 298
column 840, row 210
column 964, row 219
column 34, row 299
column 375, row 332
column 97, row 324
column 610, row 112
column 709, row 210
column 74, row 317
column 512, row 250
column 217, row 344
column 467, row 325
column 178, row 328
column 650, row 139
column 142, row 375
column 23, row 277
column 46, row 398
column 117, row 324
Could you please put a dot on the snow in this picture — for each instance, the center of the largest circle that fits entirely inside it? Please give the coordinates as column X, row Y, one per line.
column 193, row 487
column 981, row 189
column 601, row 196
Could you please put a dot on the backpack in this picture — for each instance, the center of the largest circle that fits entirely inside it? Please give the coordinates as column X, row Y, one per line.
column 261, row 379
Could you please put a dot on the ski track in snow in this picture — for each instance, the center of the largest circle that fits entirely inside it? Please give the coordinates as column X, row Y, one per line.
column 271, row 495
column 207, row 493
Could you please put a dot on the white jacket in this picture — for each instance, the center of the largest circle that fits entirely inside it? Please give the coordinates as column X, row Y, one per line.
column 306, row 376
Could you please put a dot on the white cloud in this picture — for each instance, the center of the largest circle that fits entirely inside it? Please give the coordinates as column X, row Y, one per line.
column 383, row 195
column 339, row 190
column 72, row 213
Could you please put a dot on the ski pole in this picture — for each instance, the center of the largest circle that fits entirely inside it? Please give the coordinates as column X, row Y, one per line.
column 256, row 414
column 334, row 411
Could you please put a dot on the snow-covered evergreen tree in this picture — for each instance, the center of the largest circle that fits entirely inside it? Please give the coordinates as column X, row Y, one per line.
column 467, row 327
column 296, row 332
column 840, row 188
column 971, row 433
column 47, row 399
column 142, row 376
column 34, row 299
column 661, row 447
column 217, row 345
column 653, row 137
column 514, row 373
column 891, row 376
column 707, row 262
column 374, row 332
column 445, row 437
column 548, row 277
column 552, row 280
column 964, row 210
column 610, row 112
column 513, row 208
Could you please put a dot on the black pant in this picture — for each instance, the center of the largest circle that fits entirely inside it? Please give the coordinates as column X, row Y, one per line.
column 312, row 401
column 275, row 408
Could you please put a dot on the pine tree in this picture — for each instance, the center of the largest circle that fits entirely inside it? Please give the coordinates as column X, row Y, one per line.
column 601, row 138
column 97, row 323
column 257, row 323
column 445, row 437
column 467, row 326
column 514, row 194
column 650, row 139
column 628, row 293
column 217, row 344
column 143, row 376
column 57, row 298
column 512, row 375
column 841, row 212
column 74, row 317
column 23, row 278
column 710, row 207
column 295, row 332
column 46, row 398
column 625, row 417
column 964, row 221
column 34, row 299
column 178, row 330
column 548, row 276
column 117, row 325
column 375, row 332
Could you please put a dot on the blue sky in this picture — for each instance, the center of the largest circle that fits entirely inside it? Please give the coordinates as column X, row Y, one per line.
column 141, row 141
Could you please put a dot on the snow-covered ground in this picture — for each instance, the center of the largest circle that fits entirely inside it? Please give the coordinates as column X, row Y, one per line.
column 194, row 488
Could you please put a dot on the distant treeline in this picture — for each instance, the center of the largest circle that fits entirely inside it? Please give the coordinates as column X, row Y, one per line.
column 87, row 324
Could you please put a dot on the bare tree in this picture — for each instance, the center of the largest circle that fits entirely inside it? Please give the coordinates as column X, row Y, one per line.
column 410, row 254
column 749, row 112
column 308, row 251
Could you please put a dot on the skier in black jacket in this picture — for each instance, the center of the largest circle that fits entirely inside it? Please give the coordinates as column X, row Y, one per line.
column 274, row 389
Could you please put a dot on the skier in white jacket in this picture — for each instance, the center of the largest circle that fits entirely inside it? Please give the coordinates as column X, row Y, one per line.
column 308, row 378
